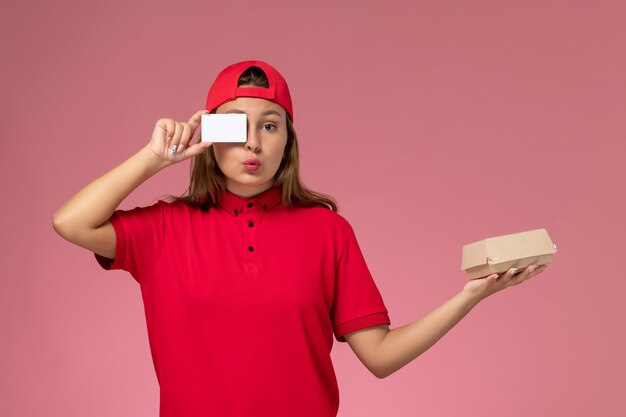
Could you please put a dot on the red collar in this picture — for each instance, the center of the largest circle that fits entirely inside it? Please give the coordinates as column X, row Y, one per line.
column 266, row 200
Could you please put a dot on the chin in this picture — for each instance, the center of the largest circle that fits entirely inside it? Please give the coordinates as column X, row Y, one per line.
column 249, row 181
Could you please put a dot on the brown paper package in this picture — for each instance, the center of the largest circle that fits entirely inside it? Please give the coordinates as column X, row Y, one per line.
column 498, row 254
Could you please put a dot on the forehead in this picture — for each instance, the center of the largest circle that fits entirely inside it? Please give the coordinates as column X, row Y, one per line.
column 251, row 106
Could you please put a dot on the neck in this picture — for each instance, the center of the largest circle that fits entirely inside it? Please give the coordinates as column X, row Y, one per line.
column 247, row 191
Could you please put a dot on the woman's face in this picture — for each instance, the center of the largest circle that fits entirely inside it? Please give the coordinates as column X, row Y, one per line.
column 266, row 140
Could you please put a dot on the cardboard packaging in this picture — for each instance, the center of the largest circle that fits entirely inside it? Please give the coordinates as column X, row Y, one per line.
column 498, row 254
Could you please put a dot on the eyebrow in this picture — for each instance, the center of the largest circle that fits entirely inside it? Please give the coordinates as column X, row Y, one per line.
column 265, row 113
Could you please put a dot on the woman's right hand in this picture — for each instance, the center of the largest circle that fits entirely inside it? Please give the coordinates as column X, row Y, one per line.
column 170, row 140
column 84, row 219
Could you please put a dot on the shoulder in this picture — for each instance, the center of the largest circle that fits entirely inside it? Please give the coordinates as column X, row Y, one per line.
column 324, row 219
column 158, row 209
column 179, row 207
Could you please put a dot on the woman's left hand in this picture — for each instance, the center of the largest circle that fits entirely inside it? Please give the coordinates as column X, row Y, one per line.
column 483, row 287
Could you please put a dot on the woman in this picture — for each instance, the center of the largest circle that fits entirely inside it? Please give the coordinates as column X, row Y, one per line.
column 246, row 278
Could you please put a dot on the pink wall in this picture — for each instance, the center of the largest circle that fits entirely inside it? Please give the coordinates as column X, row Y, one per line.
column 433, row 124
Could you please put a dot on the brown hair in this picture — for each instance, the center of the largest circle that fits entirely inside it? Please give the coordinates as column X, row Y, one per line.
column 208, row 181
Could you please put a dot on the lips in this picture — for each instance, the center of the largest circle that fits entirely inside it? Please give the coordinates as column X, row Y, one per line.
column 252, row 161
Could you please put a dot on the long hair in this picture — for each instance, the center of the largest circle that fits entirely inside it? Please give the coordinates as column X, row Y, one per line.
column 208, row 181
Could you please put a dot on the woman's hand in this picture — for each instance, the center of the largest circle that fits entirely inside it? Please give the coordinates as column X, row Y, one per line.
column 481, row 288
column 170, row 140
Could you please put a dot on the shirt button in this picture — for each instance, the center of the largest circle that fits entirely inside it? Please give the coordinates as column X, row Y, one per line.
column 235, row 211
column 250, row 248
column 264, row 206
column 250, row 224
column 249, row 204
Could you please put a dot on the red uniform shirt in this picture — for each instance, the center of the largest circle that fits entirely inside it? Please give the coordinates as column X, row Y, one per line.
column 242, row 302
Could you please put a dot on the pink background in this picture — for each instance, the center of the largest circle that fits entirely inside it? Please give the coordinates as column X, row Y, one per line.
column 434, row 124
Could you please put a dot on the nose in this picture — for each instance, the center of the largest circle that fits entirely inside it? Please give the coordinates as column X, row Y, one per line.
column 253, row 142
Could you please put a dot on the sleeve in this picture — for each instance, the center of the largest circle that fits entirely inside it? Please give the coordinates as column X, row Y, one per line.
column 139, row 235
column 357, row 303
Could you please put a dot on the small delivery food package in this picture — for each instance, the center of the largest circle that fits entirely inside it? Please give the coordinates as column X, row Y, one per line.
column 498, row 254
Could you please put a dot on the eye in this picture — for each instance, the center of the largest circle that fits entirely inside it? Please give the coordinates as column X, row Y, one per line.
column 269, row 124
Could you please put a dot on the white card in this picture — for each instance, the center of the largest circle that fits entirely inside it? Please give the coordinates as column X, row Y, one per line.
column 221, row 127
